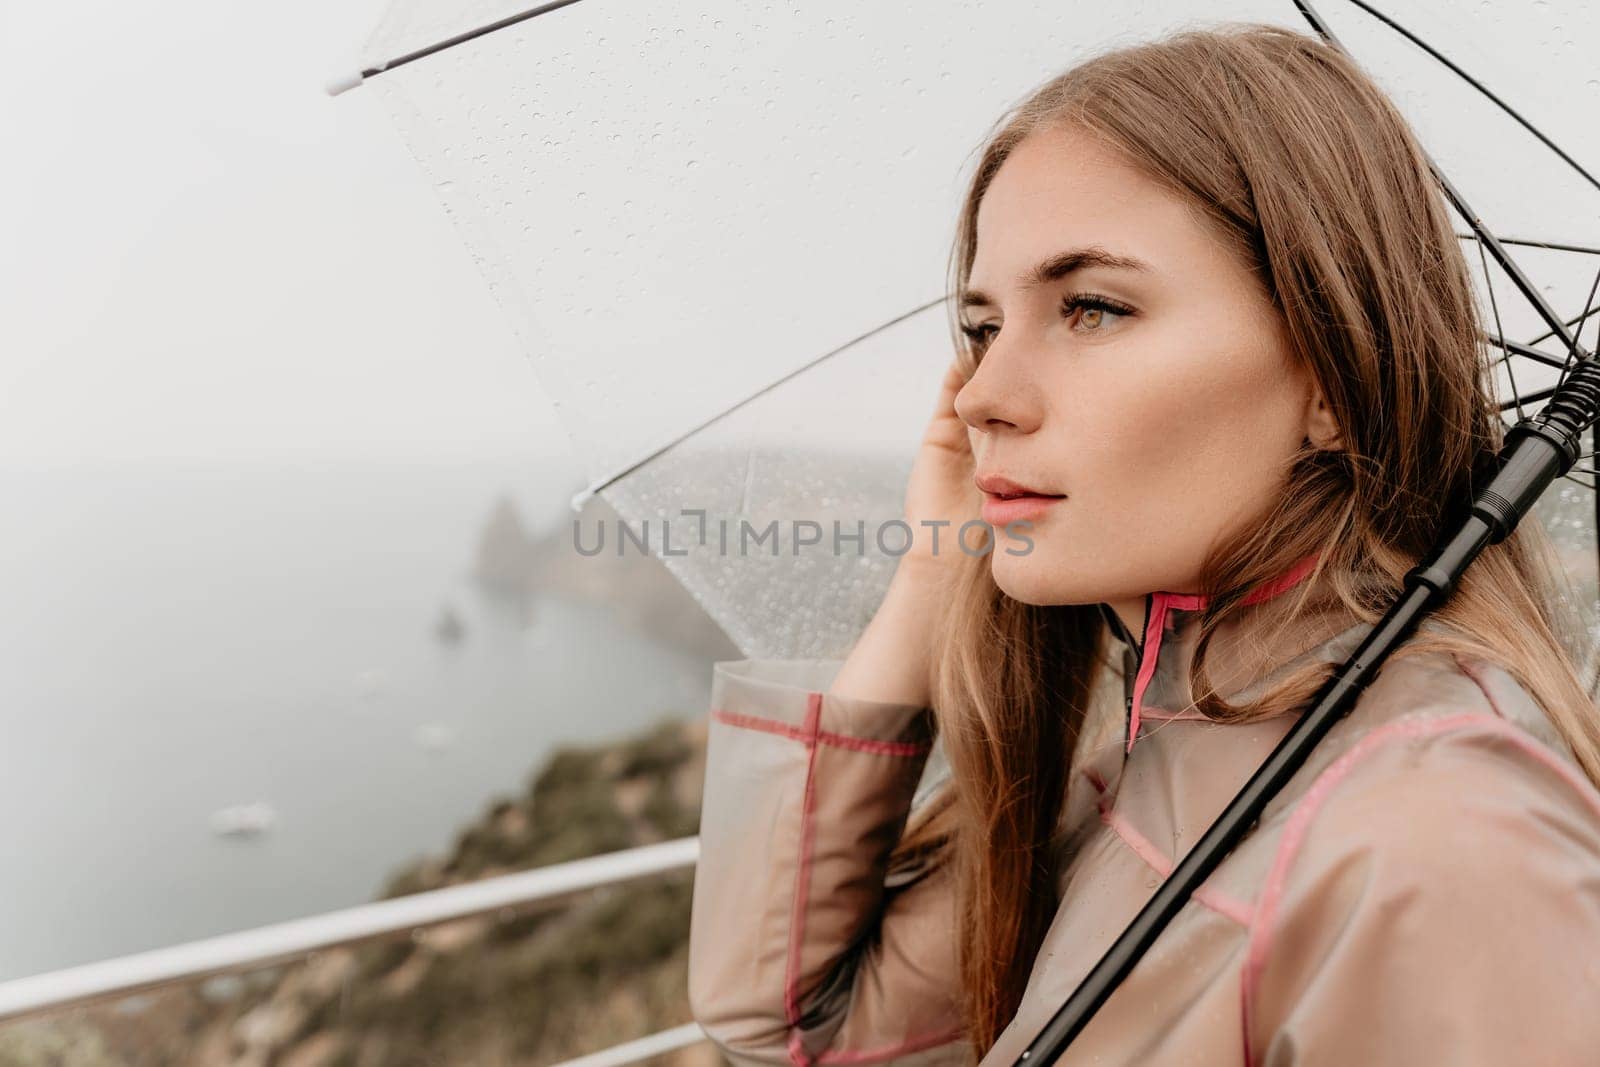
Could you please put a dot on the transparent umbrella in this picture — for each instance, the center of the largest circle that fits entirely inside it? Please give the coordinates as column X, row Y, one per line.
column 721, row 233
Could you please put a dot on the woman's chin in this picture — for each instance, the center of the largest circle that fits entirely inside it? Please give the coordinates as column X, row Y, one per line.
column 1032, row 579
column 1023, row 578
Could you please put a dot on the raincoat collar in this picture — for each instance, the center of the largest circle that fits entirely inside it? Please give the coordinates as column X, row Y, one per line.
column 1156, row 665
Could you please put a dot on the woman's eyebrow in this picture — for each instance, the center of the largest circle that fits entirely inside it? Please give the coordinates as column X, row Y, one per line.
column 1058, row 266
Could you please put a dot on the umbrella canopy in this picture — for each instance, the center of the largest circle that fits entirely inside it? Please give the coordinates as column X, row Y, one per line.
column 722, row 238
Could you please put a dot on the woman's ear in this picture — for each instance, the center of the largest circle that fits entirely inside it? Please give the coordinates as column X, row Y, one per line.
column 1321, row 428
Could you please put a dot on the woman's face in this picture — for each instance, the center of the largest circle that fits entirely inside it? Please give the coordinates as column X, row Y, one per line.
column 1165, row 424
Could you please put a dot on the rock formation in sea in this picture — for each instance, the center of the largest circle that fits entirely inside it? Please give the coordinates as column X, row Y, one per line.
column 513, row 560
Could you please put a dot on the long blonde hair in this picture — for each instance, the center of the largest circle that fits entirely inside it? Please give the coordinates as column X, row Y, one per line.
column 1313, row 177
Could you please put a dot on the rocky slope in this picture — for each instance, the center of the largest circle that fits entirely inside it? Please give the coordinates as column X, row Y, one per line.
column 526, row 988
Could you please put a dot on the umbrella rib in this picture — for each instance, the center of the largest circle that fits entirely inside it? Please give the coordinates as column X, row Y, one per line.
column 1588, row 309
column 1482, row 88
column 463, row 38
column 1500, row 332
column 1526, row 351
column 1530, row 242
column 1485, row 239
column 596, row 486
column 1537, row 394
column 1578, row 322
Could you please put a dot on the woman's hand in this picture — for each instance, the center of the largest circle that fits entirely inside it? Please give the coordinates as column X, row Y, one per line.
column 891, row 660
column 941, row 489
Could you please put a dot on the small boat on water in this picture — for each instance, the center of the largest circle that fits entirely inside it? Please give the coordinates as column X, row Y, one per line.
column 449, row 629
column 243, row 820
column 435, row 737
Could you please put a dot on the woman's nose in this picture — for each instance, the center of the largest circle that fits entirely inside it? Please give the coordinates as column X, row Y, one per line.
column 995, row 398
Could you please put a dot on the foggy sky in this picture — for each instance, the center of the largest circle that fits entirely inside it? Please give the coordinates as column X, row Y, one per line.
column 204, row 257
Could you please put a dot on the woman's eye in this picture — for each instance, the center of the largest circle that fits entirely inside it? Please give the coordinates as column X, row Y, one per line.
column 1094, row 311
column 978, row 335
column 1093, row 319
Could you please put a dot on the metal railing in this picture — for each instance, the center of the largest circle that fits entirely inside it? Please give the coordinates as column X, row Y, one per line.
column 285, row 941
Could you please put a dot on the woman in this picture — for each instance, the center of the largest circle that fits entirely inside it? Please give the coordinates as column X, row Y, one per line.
column 1216, row 325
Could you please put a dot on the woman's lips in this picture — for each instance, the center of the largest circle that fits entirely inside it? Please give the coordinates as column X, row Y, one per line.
column 1000, row 511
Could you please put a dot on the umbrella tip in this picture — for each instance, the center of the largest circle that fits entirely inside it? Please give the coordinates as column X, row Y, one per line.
column 341, row 83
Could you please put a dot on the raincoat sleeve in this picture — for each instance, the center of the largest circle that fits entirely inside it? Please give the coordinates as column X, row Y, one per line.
column 802, row 942
column 1434, row 901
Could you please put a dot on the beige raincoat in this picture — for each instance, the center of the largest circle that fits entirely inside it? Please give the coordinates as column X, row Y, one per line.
column 1426, row 890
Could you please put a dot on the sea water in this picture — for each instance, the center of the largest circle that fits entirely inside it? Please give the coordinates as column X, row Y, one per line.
column 180, row 640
